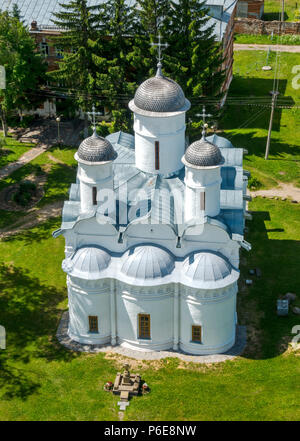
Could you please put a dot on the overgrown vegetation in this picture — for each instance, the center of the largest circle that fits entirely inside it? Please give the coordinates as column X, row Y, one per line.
column 267, row 39
column 25, row 193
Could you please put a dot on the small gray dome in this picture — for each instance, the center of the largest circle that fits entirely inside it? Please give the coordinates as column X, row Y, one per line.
column 206, row 267
column 203, row 153
column 147, row 262
column 159, row 94
column 96, row 149
column 87, row 263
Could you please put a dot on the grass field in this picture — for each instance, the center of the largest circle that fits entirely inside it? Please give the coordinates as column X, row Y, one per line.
column 247, row 125
column 273, row 8
column 267, row 39
column 12, row 150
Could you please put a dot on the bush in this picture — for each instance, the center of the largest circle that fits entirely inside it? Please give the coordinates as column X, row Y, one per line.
column 254, row 183
column 25, row 193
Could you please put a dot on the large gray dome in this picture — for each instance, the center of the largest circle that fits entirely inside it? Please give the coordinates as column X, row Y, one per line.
column 96, row 149
column 160, row 94
column 203, row 153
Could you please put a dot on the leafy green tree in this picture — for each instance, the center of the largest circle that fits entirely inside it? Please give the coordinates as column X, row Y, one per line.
column 25, row 69
column 193, row 57
column 78, row 69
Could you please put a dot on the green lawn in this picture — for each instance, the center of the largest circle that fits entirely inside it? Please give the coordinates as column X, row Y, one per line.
column 42, row 381
column 273, row 10
column 267, row 39
column 59, row 177
column 12, row 150
column 247, row 125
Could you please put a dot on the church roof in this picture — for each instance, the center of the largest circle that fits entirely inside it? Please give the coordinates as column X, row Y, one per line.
column 96, row 149
column 87, row 263
column 206, row 267
column 159, row 94
column 202, row 153
column 147, row 262
column 152, row 265
column 219, row 141
column 161, row 211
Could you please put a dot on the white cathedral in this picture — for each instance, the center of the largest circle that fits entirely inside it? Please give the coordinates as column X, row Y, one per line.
column 153, row 230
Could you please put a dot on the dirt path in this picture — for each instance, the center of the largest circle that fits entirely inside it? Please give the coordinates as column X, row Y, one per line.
column 283, row 191
column 32, row 218
column 24, row 159
column 265, row 47
column 45, row 135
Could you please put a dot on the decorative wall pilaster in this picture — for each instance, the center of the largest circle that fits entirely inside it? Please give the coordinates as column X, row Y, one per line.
column 113, row 320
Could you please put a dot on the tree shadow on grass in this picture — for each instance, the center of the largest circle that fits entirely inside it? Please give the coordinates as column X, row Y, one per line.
column 278, row 260
column 274, row 16
column 256, row 145
column 29, row 313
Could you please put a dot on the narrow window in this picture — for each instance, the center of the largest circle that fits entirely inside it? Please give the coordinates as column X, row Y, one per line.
column 144, row 325
column 94, row 195
column 202, row 200
column 156, row 155
column 196, row 334
column 93, row 323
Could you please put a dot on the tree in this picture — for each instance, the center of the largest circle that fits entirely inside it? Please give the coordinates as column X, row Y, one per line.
column 16, row 13
column 151, row 19
column 78, row 68
column 193, row 57
column 116, row 81
column 25, row 69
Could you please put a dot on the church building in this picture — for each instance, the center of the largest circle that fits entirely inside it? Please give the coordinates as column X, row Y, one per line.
column 153, row 230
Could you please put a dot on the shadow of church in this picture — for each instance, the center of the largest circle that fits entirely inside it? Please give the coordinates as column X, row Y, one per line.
column 268, row 335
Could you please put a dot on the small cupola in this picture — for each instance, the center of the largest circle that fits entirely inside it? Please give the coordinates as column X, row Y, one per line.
column 95, row 157
column 95, row 149
column 202, row 160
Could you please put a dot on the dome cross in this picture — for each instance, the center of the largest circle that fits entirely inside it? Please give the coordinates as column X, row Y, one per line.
column 92, row 115
column 204, row 115
column 160, row 46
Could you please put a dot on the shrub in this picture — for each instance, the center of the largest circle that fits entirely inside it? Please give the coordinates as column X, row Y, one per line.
column 254, row 183
column 25, row 193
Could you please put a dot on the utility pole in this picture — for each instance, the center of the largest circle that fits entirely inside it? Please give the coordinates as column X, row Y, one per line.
column 282, row 11
column 274, row 97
